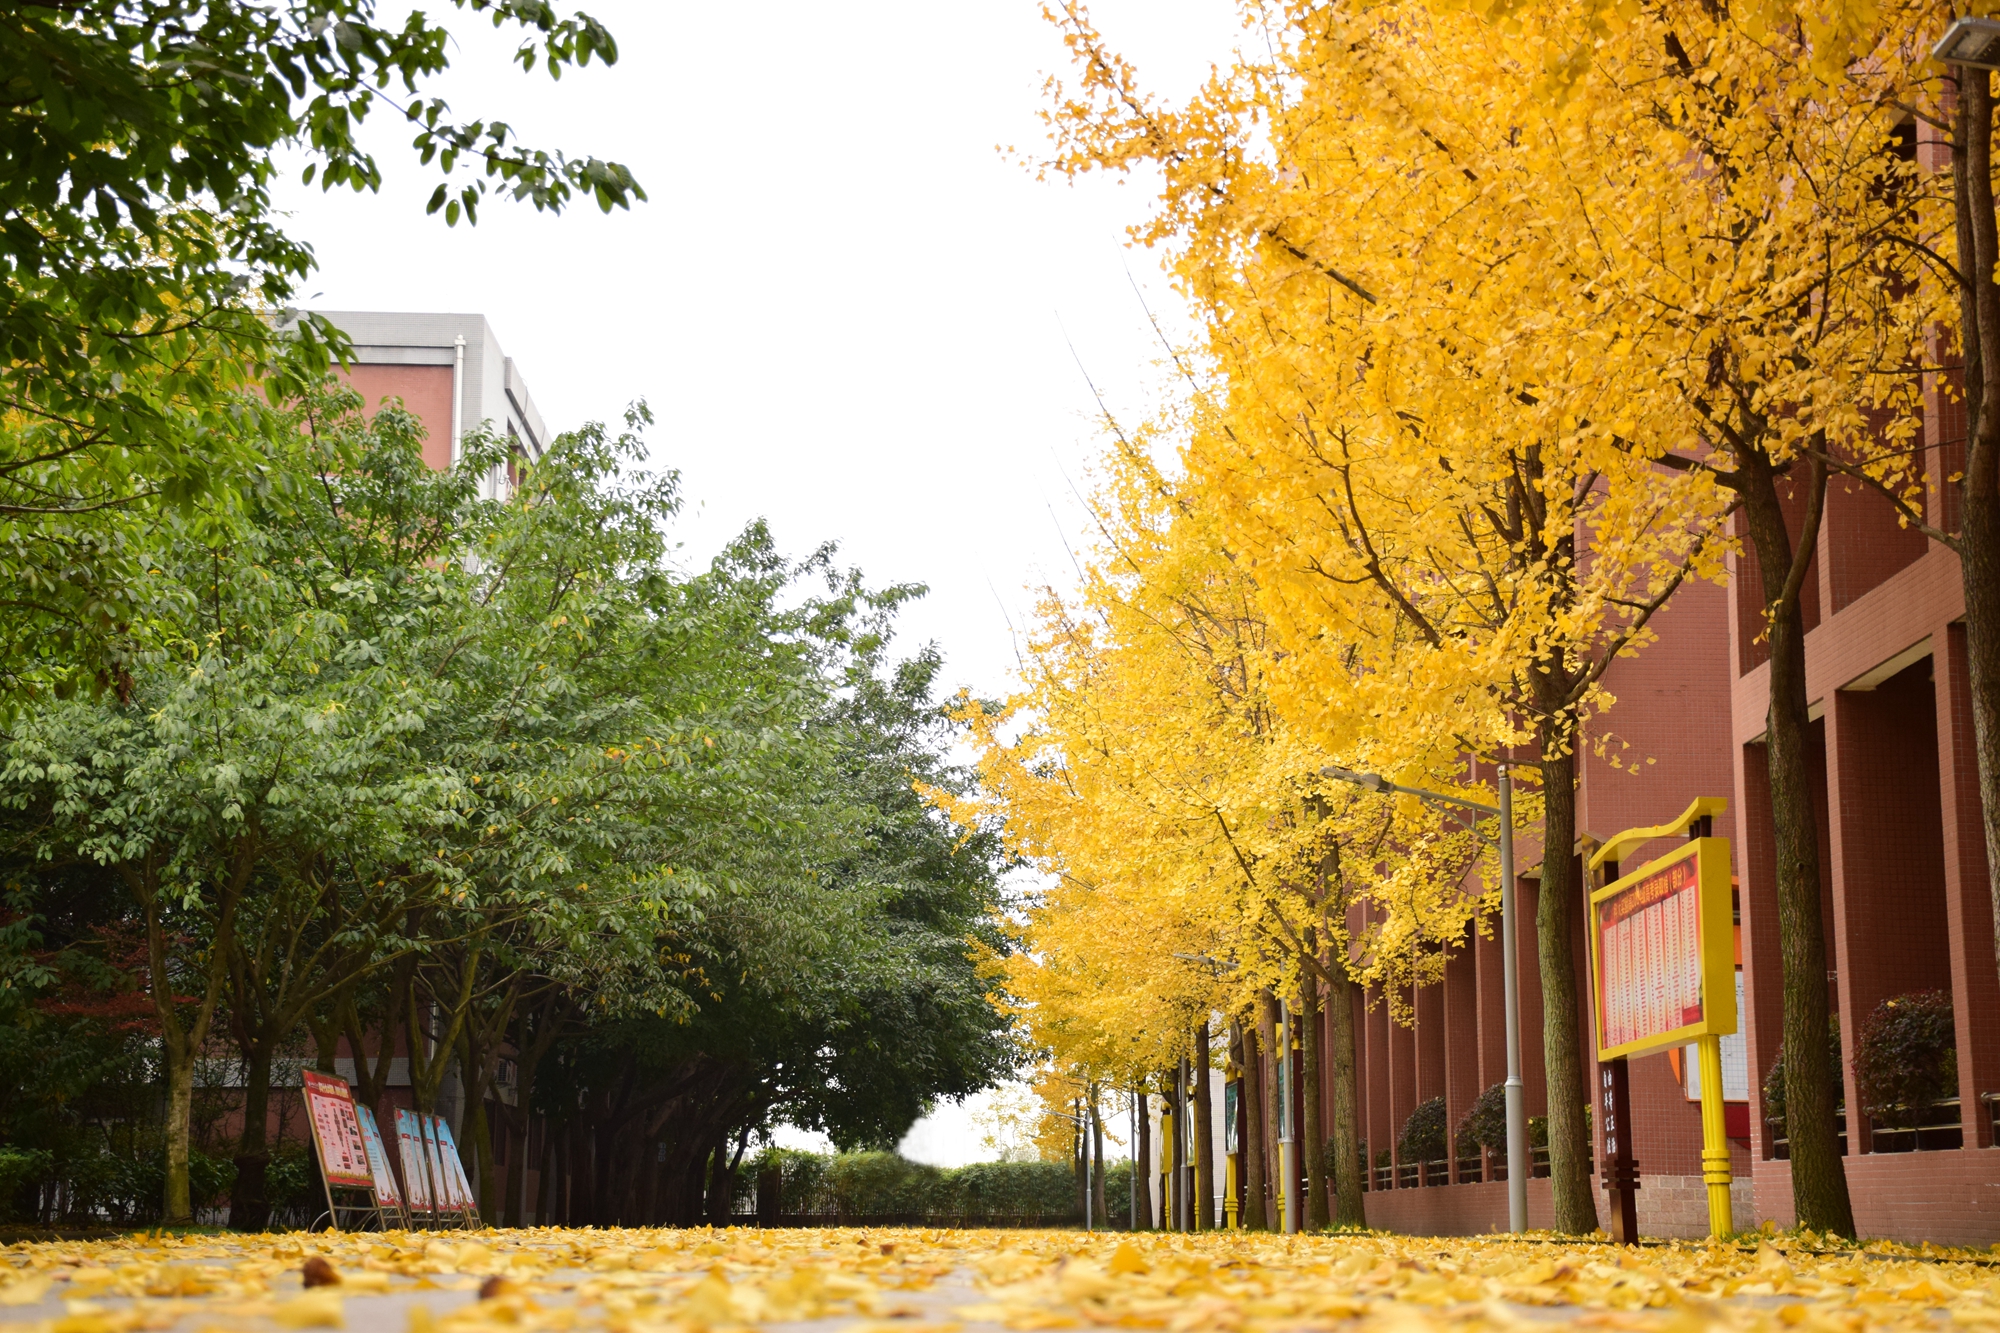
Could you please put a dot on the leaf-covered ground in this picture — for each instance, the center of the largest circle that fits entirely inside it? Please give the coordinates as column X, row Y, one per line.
column 610, row 1281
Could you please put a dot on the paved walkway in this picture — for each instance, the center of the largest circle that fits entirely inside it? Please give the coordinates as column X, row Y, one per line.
column 915, row 1281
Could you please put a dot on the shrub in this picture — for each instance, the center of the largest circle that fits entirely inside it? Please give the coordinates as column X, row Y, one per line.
column 1423, row 1136
column 1019, row 1188
column 291, row 1185
column 1485, row 1124
column 873, row 1183
column 122, row 1183
column 1906, row 1057
column 21, row 1172
column 1117, row 1192
column 1774, row 1082
column 876, row 1184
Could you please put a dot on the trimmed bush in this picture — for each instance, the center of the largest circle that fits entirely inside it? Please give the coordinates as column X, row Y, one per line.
column 1423, row 1136
column 1906, row 1058
column 1485, row 1123
column 881, row 1184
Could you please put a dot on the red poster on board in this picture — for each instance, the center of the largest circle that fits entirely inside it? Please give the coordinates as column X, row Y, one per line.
column 1651, row 952
column 343, row 1153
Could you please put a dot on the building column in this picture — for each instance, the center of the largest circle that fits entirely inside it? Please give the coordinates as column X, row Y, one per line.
column 1975, row 981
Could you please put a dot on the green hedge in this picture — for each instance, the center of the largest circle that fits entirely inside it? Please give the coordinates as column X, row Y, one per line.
column 100, row 1185
column 879, row 1184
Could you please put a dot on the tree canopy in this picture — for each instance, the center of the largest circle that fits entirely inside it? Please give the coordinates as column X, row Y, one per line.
column 495, row 773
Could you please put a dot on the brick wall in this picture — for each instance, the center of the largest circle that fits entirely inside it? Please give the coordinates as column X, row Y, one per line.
column 1887, row 869
column 1872, row 546
column 1676, row 1207
column 1952, row 1198
column 1455, row 1210
column 425, row 390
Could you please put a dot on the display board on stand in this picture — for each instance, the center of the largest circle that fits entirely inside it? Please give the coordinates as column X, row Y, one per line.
column 1664, row 949
column 388, row 1195
column 458, row 1187
column 351, row 1196
column 1663, row 974
column 416, row 1172
column 434, row 1181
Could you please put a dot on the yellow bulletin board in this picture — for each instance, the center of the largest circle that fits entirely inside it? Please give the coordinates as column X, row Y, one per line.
column 1663, row 954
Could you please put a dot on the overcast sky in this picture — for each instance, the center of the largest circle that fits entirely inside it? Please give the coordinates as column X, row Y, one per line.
column 851, row 315
column 846, row 308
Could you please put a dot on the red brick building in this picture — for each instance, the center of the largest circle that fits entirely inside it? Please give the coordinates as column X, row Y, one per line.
column 449, row 370
column 1905, row 895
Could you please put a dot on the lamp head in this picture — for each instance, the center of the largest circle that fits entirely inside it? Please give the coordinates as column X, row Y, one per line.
column 1970, row 41
column 1372, row 781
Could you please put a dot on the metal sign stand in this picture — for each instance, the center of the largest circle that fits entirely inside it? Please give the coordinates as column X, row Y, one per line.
column 1621, row 1172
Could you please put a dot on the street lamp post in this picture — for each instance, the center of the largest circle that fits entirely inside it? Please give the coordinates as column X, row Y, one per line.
column 1082, row 1123
column 1518, row 1161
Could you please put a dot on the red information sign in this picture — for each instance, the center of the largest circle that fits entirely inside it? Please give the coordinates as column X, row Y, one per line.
column 343, row 1153
column 1663, row 954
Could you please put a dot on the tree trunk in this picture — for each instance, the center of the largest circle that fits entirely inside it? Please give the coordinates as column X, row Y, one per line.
column 325, row 1029
column 1250, row 1107
column 179, row 1043
column 545, row 1197
column 1142, row 1160
column 249, row 1206
column 1204, row 1131
column 1979, row 512
column 1267, row 1039
column 478, row 1136
column 1819, row 1180
column 1348, row 1209
column 180, row 1107
column 1312, row 1144
column 519, row 1128
column 1103, row 1210
column 371, row 1074
column 1555, row 924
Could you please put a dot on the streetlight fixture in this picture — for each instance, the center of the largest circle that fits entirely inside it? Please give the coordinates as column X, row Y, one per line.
column 1518, row 1160
column 1969, row 41
column 1082, row 1123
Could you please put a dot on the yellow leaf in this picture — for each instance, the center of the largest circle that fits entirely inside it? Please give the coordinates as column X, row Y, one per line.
column 313, row 1309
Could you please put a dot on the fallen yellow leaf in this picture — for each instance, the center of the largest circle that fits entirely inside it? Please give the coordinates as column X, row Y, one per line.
column 320, row 1308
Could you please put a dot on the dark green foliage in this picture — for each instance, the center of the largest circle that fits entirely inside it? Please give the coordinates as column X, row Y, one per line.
column 1906, row 1057
column 76, row 1060
column 1485, row 1123
column 116, row 1178
column 1424, row 1134
column 1774, row 1081
column 885, row 1184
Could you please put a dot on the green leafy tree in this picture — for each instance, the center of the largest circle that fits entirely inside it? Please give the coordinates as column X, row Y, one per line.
column 138, row 235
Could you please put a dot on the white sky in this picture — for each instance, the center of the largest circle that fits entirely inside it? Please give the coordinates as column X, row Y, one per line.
column 847, row 310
